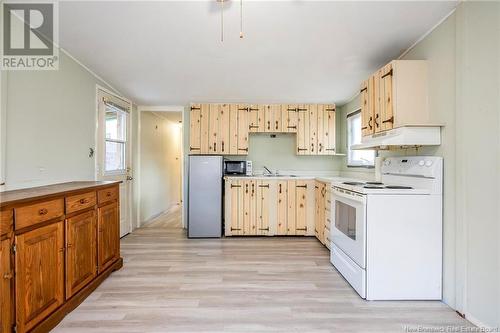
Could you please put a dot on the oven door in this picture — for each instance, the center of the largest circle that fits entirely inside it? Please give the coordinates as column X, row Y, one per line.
column 349, row 226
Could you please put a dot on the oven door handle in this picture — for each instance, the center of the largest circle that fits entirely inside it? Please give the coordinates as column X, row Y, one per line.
column 346, row 194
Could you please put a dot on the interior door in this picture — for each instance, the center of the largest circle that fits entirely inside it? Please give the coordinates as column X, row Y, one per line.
column 114, row 150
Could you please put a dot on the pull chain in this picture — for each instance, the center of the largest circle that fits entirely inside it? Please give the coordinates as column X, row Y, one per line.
column 241, row 18
column 221, row 20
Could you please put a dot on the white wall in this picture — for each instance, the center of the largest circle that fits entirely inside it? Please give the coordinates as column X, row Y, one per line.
column 51, row 120
column 160, row 176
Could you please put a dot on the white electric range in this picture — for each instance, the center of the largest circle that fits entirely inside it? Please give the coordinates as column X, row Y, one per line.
column 386, row 236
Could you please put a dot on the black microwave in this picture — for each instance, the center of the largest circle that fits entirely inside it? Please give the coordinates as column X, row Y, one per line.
column 237, row 167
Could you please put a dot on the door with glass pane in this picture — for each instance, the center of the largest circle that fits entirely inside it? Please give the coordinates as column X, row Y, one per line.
column 114, row 150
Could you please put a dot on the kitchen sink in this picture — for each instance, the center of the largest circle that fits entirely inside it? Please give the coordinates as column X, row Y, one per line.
column 279, row 175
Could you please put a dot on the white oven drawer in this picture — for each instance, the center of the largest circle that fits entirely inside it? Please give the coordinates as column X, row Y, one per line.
column 354, row 274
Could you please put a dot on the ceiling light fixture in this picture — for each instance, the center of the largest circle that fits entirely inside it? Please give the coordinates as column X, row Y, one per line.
column 222, row 19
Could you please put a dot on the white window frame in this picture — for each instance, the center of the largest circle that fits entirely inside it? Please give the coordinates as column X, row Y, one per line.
column 125, row 143
column 351, row 163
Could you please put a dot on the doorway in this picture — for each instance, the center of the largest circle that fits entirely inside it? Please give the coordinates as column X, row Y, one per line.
column 160, row 164
column 113, row 158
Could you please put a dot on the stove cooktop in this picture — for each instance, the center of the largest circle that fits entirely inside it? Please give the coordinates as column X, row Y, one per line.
column 377, row 185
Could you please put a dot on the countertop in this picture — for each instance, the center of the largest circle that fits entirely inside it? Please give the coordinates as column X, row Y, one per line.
column 8, row 198
column 325, row 179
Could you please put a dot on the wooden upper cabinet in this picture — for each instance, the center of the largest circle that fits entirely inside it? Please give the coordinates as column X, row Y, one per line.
column 81, row 249
column 289, row 115
column 204, row 128
column 233, row 129
column 394, row 96
column 224, row 133
column 6, row 284
column 39, row 274
column 108, row 238
column 313, row 129
column 274, row 122
column 303, row 129
column 214, row 146
column 256, row 118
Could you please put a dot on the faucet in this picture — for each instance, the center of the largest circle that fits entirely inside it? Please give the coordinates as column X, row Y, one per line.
column 269, row 171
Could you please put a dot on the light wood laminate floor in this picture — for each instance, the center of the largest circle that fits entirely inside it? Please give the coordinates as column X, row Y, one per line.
column 173, row 284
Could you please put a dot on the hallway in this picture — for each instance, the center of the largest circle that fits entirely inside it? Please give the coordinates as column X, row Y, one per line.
column 172, row 284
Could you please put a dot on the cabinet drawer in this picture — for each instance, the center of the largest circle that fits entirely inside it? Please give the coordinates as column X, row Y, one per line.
column 80, row 201
column 107, row 194
column 30, row 215
column 5, row 221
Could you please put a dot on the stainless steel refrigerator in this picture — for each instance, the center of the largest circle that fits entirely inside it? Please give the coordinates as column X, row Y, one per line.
column 205, row 196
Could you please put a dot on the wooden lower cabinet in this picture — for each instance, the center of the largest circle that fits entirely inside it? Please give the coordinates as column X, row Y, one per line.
column 259, row 207
column 6, row 284
column 108, row 239
column 81, row 251
column 39, row 274
column 50, row 262
column 322, row 223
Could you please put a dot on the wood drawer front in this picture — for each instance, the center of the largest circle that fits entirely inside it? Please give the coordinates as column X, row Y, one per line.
column 5, row 221
column 107, row 194
column 80, row 201
column 33, row 214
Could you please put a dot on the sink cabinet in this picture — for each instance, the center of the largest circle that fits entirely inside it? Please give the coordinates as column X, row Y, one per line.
column 48, row 238
column 262, row 207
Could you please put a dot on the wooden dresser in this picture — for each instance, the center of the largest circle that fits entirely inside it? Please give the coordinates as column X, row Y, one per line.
column 58, row 243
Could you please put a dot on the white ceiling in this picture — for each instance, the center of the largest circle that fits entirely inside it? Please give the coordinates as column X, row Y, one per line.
column 170, row 53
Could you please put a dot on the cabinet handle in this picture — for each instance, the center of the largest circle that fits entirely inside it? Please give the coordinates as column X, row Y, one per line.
column 253, row 188
column 83, row 201
column 320, row 147
column 8, row 276
column 280, row 188
column 43, row 211
column 246, row 188
column 390, row 120
column 276, row 124
column 222, row 146
column 62, row 249
column 312, row 147
column 69, row 246
column 387, row 74
column 370, row 122
column 215, row 146
column 376, row 118
column 268, row 125
column 108, row 194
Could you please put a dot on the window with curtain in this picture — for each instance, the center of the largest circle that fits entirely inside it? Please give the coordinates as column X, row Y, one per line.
column 357, row 158
column 116, row 138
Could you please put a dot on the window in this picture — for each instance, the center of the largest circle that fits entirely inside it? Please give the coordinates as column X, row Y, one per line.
column 357, row 158
column 116, row 139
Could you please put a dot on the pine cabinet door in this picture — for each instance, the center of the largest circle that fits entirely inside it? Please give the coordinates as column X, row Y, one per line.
column 108, row 236
column 256, row 115
column 303, row 130
column 289, row 116
column 313, row 129
column 378, row 105
column 6, row 276
column 277, row 122
column 322, row 138
column 291, row 222
column 249, row 208
column 213, row 125
column 195, row 129
column 317, row 208
column 235, row 206
column 204, row 128
column 263, row 192
column 301, row 207
column 329, row 125
column 81, row 247
column 282, row 208
column 268, row 118
column 243, row 129
column 387, row 116
column 39, row 274
column 233, row 129
column 366, row 99
column 224, row 136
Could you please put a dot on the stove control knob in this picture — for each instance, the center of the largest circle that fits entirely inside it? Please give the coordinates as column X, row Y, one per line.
column 428, row 163
column 421, row 163
column 387, row 162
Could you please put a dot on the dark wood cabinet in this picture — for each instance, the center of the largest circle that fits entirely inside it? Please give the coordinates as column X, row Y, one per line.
column 108, row 239
column 51, row 256
column 81, row 250
column 39, row 274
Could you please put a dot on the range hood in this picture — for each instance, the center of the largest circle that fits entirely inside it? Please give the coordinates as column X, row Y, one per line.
column 401, row 138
